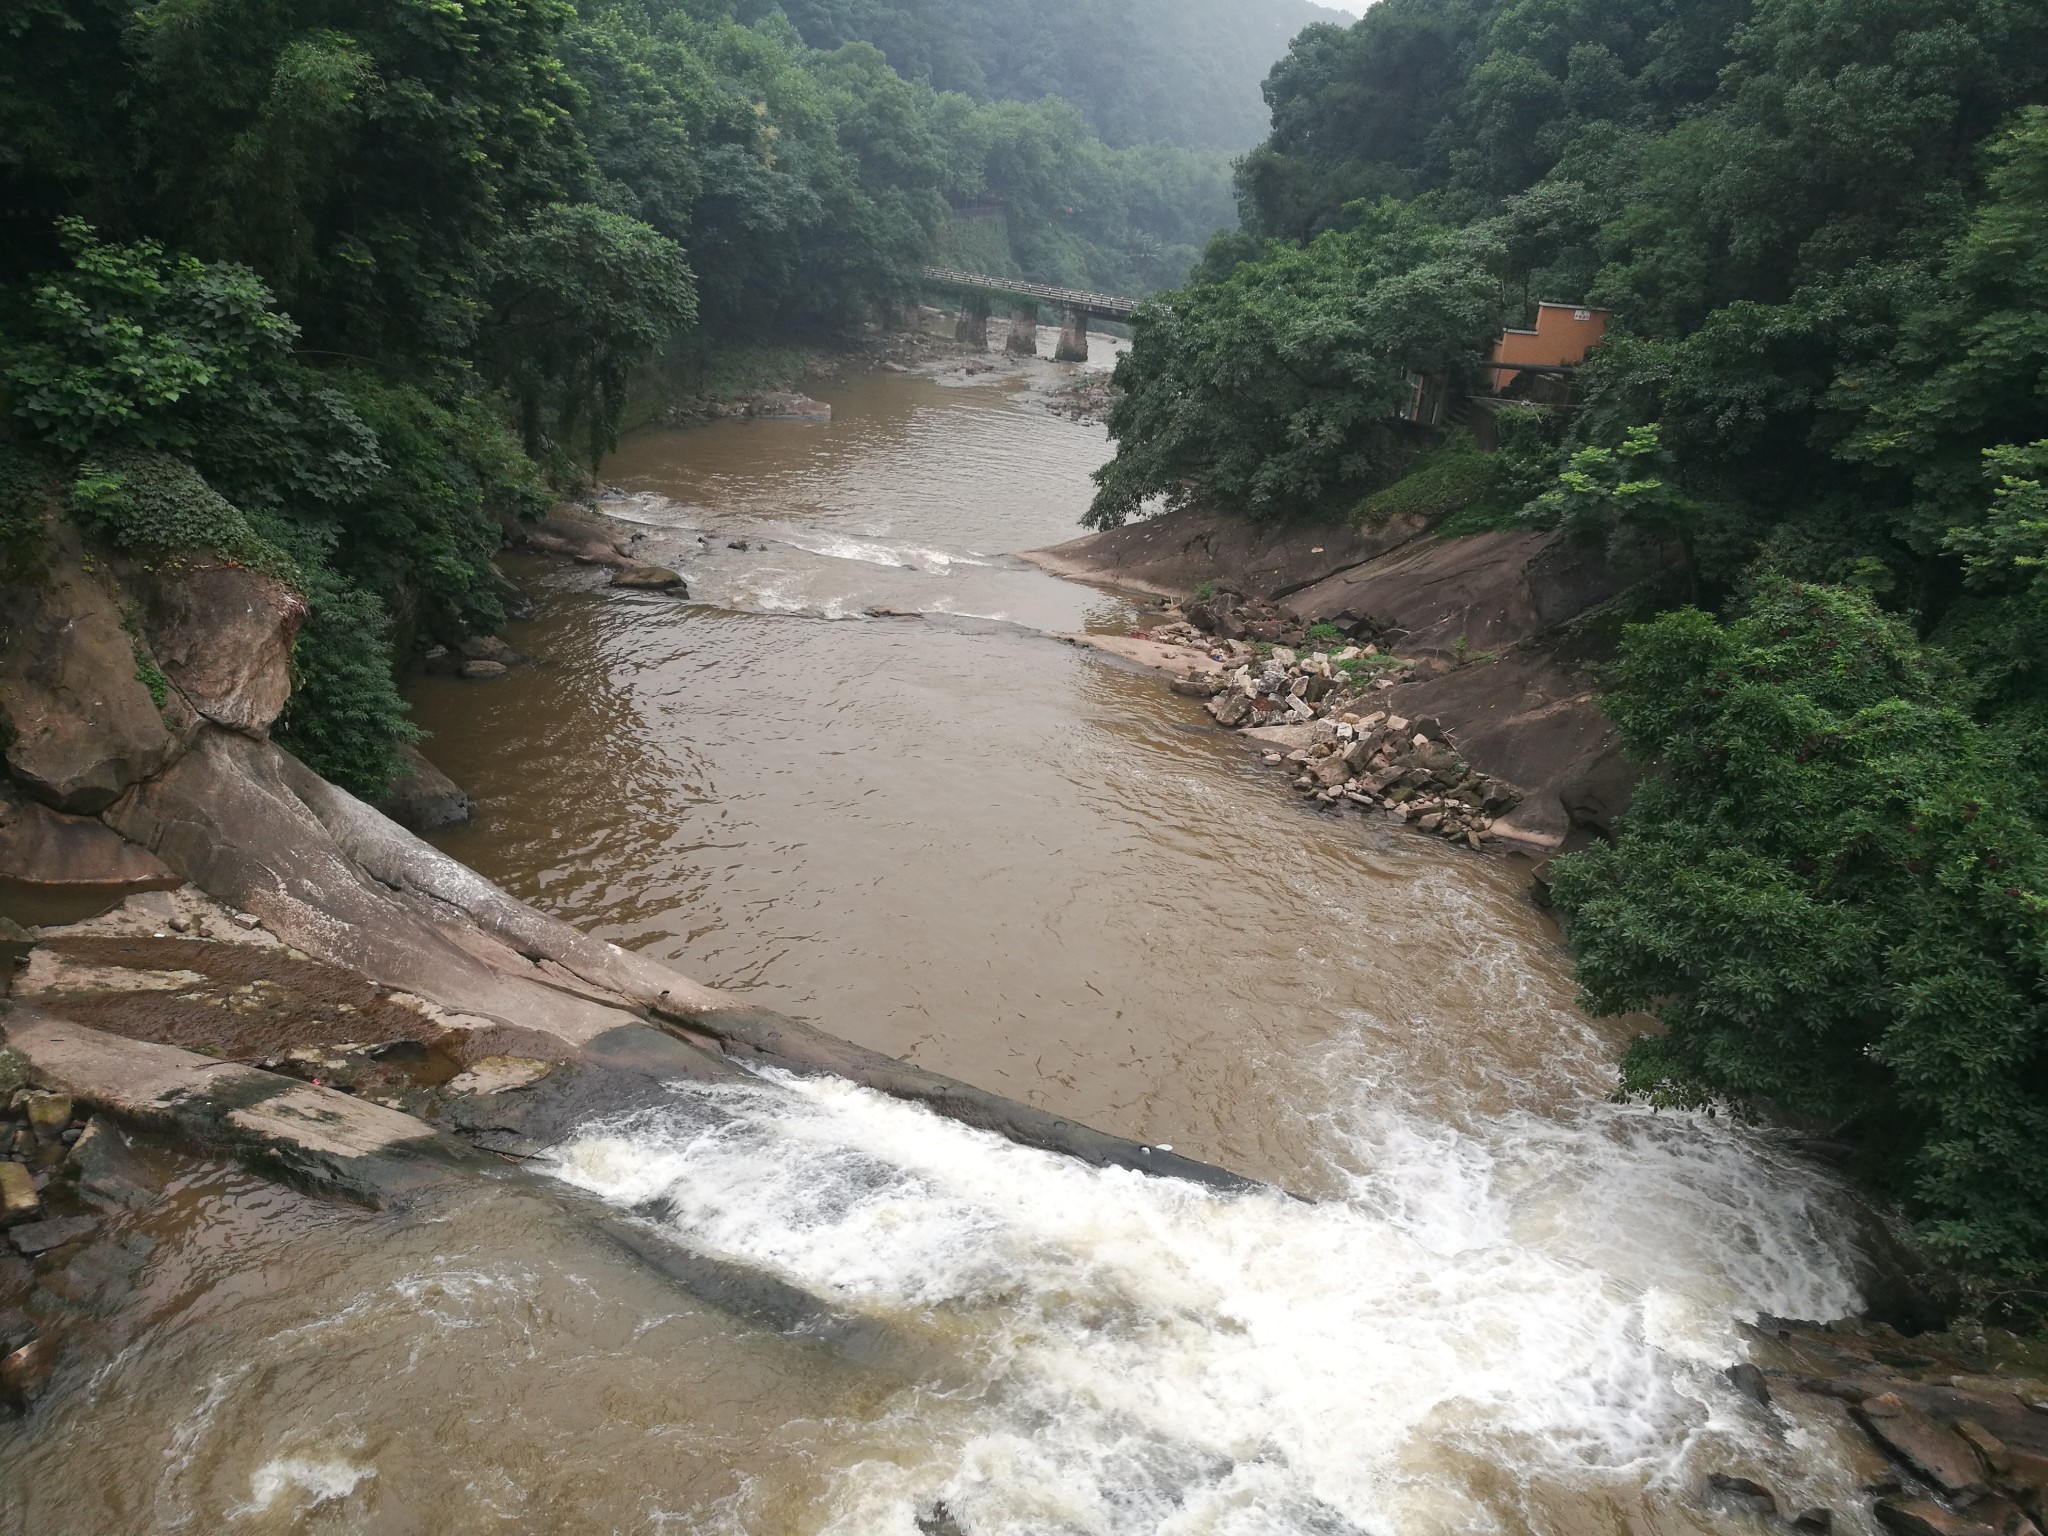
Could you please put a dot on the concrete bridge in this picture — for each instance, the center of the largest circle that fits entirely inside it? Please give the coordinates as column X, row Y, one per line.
column 1076, row 305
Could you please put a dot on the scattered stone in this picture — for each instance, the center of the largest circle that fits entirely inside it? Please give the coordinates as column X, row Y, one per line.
column 788, row 405
column 104, row 1167
column 1941, row 1456
column 48, row 1114
column 482, row 671
column 19, row 1201
column 1743, row 1493
column 488, row 648
column 738, row 544
column 1233, row 708
column 246, row 920
column 650, row 578
column 43, row 1236
column 939, row 1521
column 25, row 1373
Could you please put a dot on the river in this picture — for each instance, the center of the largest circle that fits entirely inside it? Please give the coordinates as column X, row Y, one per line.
column 1505, row 1307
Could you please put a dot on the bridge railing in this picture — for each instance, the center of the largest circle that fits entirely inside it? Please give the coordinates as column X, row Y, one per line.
column 1115, row 306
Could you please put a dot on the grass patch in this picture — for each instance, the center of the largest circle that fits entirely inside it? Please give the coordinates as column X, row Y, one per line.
column 1457, row 486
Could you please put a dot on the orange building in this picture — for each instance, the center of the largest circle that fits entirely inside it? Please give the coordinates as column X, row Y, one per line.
column 1564, row 334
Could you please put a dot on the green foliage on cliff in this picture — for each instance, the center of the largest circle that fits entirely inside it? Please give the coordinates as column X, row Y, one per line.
column 1821, row 227
column 344, row 718
column 153, row 503
column 1834, row 897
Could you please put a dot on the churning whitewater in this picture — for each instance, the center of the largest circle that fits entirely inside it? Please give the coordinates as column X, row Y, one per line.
column 1097, row 1351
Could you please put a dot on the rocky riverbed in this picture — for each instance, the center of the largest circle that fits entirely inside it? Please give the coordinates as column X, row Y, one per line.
column 1320, row 717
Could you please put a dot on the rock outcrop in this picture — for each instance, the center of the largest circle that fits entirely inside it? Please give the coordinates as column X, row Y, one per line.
column 56, row 868
column 421, row 798
column 223, row 636
column 569, row 531
column 1174, row 554
column 1451, row 597
column 1482, row 624
column 76, row 712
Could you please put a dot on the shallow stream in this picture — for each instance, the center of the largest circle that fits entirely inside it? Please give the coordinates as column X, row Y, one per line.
column 1506, row 1308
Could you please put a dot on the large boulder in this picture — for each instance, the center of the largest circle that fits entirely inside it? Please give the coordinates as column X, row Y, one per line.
column 61, row 869
column 422, row 798
column 223, row 636
column 570, row 531
column 76, row 712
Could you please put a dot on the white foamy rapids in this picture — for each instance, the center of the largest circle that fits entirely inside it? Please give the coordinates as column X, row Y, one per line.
column 1531, row 1306
column 839, row 546
column 311, row 1481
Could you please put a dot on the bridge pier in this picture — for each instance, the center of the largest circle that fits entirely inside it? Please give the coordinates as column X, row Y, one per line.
column 1023, row 340
column 971, row 329
column 1073, row 347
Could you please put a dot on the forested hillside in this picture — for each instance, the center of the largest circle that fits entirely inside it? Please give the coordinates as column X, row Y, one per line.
column 337, row 287
column 1184, row 72
column 1822, row 415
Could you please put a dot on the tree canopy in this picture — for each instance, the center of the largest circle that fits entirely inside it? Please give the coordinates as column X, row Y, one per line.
column 349, row 282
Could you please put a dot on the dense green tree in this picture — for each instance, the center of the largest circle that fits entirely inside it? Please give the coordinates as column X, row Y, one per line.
column 579, row 297
column 1832, row 892
column 1275, row 390
column 289, row 271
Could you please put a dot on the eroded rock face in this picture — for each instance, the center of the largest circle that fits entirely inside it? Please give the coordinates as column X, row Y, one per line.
column 1177, row 551
column 67, row 867
column 78, row 720
column 1481, row 592
column 223, row 636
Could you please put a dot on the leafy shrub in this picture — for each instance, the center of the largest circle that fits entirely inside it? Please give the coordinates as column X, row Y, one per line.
column 1834, row 898
column 1451, row 477
column 345, row 718
column 128, row 341
column 422, row 531
column 151, row 502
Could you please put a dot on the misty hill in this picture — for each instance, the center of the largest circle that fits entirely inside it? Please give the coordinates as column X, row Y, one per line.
column 1185, row 71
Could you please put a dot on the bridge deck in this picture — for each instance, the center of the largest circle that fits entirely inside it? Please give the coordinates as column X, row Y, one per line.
column 1113, row 306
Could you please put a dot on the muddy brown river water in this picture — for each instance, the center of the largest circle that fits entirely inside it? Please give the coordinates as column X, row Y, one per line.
column 958, row 841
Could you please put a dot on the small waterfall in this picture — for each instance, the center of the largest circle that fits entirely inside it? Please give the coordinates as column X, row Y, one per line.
column 1495, row 1320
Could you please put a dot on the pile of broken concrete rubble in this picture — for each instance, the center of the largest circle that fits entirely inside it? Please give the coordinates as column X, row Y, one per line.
column 1314, row 713
column 1381, row 761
